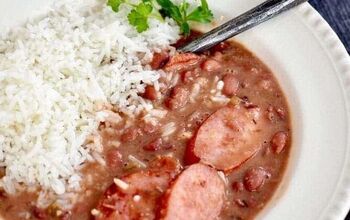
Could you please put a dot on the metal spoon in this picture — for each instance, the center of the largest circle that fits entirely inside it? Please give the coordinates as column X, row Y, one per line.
column 247, row 20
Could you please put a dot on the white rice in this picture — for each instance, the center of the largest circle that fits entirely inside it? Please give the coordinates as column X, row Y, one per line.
column 195, row 92
column 121, row 184
column 137, row 162
column 220, row 85
column 159, row 113
column 168, row 129
column 220, row 99
column 53, row 73
column 223, row 177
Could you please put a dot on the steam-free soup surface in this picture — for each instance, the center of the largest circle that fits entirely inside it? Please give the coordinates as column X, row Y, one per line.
column 215, row 146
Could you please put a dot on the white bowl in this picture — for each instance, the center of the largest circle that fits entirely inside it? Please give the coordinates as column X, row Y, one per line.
column 313, row 69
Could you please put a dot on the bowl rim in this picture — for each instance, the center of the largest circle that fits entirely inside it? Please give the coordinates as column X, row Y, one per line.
column 339, row 205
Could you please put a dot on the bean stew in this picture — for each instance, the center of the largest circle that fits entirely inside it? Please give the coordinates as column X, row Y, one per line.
column 215, row 145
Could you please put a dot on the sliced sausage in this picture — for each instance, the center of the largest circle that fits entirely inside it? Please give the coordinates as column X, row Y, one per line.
column 135, row 196
column 197, row 194
column 227, row 138
column 182, row 61
column 190, row 157
column 255, row 178
column 159, row 60
column 279, row 141
column 231, row 85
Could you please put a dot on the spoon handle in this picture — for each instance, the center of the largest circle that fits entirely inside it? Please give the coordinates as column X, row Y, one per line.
column 245, row 21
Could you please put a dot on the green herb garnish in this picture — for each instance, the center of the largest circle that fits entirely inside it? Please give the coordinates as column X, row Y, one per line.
column 159, row 9
column 115, row 4
column 139, row 15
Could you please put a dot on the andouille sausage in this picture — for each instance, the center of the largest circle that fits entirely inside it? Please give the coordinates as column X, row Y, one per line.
column 190, row 157
column 136, row 197
column 181, row 60
column 159, row 60
column 227, row 138
column 197, row 194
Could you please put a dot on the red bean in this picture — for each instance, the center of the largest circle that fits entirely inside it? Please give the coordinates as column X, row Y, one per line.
column 159, row 60
column 270, row 116
column 281, row 113
column 279, row 141
column 148, row 128
column 154, row 145
column 255, row 178
column 129, row 134
column 39, row 213
column 237, row 186
column 231, row 85
column 178, row 98
column 113, row 158
column 211, row 65
column 150, row 93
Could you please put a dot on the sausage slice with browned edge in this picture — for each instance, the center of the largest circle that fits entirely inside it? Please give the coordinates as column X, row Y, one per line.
column 227, row 138
column 197, row 194
column 136, row 196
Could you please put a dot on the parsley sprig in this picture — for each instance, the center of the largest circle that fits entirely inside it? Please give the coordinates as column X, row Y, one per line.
column 159, row 9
